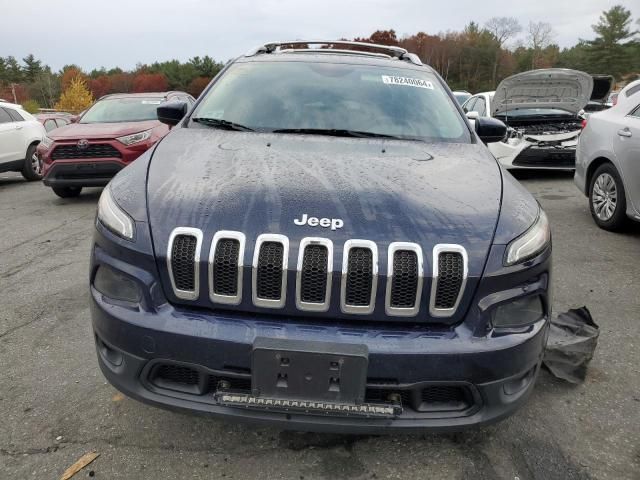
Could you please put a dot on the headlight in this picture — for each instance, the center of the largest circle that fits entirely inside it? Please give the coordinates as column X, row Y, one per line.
column 135, row 137
column 113, row 217
column 46, row 142
column 530, row 243
column 518, row 313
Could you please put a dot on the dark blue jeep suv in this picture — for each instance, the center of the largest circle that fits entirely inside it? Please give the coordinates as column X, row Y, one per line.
column 323, row 243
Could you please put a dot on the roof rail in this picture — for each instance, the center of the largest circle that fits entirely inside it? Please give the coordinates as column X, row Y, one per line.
column 389, row 51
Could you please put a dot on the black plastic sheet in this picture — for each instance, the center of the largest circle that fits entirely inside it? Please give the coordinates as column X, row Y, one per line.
column 573, row 337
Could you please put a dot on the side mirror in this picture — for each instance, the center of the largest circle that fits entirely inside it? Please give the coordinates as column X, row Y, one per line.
column 490, row 130
column 171, row 113
column 472, row 115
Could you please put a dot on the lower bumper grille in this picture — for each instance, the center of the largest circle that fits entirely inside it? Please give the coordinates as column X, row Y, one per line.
column 194, row 380
column 546, row 157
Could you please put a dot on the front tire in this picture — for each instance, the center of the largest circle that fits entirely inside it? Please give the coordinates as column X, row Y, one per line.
column 67, row 192
column 607, row 200
column 32, row 169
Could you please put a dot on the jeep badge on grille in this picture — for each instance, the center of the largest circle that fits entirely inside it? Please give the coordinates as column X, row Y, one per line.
column 334, row 223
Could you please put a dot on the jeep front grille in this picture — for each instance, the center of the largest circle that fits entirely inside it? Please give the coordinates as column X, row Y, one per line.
column 404, row 281
column 270, row 271
column 449, row 278
column 359, row 277
column 183, row 262
column 225, row 267
column 313, row 277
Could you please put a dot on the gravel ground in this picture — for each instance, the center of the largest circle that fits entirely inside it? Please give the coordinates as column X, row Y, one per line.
column 55, row 405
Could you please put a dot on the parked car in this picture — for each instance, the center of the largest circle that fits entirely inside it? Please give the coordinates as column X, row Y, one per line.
column 51, row 121
column 461, row 96
column 337, row 252
column 20, row 134
column 608, row 161
column 541, row 109
column 107, row 137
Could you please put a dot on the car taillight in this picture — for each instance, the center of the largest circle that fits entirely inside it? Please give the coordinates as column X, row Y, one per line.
column 584, row 123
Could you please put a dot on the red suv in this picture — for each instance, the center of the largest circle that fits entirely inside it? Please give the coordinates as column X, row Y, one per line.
column 115, row 131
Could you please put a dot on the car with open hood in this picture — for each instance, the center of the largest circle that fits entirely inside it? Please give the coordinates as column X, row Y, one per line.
column 103, row 140
column 323, row 243
column 541, row 109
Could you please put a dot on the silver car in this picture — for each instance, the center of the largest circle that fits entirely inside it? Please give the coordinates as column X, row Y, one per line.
column 608, row 161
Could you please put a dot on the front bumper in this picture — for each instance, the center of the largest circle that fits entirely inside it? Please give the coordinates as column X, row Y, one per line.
column 82, row 174
column 497, row 372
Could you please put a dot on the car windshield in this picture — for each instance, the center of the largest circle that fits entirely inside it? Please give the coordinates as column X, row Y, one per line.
column 329, row 98
column 115, row 110
column 461, row 97
column 534, row 112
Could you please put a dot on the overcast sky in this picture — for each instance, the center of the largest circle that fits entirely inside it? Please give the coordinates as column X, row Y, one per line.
column 122, row 33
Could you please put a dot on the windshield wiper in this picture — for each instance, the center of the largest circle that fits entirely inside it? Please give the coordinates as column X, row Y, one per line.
column 335, row 132
column 222, row 124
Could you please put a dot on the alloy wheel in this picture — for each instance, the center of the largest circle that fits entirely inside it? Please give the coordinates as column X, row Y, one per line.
column 605, row 197
column 36, row 164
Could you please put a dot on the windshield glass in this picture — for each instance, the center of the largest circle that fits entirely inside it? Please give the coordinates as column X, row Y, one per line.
column 383, row 101
column 532, row 112
column 114, row 110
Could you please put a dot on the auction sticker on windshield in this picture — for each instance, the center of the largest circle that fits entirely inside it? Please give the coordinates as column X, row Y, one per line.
column 406, row 81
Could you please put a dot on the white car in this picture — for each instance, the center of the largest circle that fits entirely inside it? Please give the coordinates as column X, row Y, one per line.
column 608, row 161
column 20, row 133
column 541, row 110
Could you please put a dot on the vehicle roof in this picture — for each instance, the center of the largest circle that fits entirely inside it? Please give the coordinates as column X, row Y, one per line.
column 334, row 57
column 11, row 105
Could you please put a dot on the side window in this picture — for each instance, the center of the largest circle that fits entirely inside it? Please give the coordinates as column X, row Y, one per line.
column 480, row 107
column 61, row 122
column 635, row 112
column 15, row 116
column 4, row 116
column 50, row 125
column 468, row 107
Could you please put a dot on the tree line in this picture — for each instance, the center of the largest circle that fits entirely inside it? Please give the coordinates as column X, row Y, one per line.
column 474, row 59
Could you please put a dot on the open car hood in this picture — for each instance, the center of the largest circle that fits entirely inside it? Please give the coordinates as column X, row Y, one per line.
column 560, row 88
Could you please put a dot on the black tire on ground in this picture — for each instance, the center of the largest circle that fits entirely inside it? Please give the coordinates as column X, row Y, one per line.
column 618, row 220
column 67, row 192
column 31, row 171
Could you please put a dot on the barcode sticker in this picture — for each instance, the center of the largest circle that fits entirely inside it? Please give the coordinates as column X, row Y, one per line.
column 406, row 81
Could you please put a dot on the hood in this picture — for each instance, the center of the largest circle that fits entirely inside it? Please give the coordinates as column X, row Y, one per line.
column 100, row 130
column 602, row 86
column 560, row 88
column 383, row 191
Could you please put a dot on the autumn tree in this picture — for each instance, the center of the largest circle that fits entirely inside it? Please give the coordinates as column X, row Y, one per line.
column 100, row 86
column 503, row 30
column 76, row 97
column 150, row 82
column 539, row 37
column 197, row 85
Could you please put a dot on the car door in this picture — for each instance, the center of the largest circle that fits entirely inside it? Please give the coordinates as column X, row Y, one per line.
column 10, row 138
column 627, row 149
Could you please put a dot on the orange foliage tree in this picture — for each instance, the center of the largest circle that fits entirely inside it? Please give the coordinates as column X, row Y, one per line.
column 150, row 82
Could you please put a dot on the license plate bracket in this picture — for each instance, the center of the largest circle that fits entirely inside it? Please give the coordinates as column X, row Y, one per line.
column 309, row 370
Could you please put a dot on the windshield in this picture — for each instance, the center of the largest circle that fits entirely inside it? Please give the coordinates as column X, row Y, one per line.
column 114, row 110
column 534, row 112
column 461, row 97
column 337, row 98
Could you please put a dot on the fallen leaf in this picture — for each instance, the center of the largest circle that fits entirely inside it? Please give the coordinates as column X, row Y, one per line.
column 117, row 397
column 82, row 462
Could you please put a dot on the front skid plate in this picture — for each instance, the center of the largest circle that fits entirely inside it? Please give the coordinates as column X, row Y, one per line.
column 241, row 400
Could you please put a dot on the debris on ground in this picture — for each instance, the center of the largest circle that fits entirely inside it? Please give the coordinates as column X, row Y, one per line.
column 82, row 462
column 573, row 337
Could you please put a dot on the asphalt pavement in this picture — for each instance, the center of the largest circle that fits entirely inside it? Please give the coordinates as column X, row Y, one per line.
column 56, row 406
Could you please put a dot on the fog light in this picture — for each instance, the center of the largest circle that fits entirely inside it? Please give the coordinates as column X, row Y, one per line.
column 518, row 313
column 116, row 286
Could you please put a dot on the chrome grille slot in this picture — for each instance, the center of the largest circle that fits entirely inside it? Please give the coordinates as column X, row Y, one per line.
column 449, row 279
column 183, row 262
column 313, row 277
column 404, row 279
column 225, row 267
column 269, row 278
column 359, row 277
